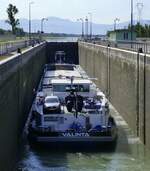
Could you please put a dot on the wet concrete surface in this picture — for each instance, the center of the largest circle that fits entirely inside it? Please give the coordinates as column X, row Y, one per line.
column 128, row 155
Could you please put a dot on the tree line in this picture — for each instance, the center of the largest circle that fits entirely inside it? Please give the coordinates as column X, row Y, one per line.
column 141, row 30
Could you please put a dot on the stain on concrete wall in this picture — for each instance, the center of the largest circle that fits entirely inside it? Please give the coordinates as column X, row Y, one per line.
column 18, row 77
column 124, row 77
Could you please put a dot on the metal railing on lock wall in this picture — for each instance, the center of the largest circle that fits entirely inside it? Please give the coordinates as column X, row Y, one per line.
column 143, row 46
column 7, row 48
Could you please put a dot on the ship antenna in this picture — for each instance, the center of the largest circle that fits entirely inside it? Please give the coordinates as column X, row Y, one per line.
column 75, row 95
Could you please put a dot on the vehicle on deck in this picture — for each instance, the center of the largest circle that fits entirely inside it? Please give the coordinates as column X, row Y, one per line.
column 51, row 105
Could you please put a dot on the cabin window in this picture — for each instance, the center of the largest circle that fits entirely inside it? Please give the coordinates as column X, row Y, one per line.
column 60, row 58
column 84, row 88
column 64, row 88
column 59, row 88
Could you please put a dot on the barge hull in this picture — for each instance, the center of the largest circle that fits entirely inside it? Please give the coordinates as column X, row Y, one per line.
column 75, row 139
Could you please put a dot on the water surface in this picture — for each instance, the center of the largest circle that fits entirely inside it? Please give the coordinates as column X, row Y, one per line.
column 129, row 155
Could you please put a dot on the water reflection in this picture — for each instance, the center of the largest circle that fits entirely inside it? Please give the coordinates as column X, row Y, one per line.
column 62, row 39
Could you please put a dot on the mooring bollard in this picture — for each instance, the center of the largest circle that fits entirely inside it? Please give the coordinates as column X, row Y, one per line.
column 19, row 50
column 140, row 50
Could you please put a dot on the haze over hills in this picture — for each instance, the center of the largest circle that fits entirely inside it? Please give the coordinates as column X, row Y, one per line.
column 59, row 25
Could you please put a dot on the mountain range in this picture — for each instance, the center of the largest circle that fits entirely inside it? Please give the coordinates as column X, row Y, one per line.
column 59, row 25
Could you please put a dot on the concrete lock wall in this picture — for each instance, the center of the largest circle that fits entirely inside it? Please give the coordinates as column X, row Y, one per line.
column 18, row 77
column 124, row 77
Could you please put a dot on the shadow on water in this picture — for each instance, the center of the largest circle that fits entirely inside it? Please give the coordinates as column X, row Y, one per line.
column 59, row 157
column 76, row 147
column 68, row 155
column 80, row 157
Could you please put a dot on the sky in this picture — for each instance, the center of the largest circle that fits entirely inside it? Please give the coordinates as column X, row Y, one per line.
column 103, row 11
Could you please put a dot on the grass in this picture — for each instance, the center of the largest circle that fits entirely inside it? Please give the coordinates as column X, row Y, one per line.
column 3, row 57
column 18, row 39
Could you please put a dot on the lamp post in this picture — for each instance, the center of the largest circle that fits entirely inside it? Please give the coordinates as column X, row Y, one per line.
column 90, row 24
column 82, row 21
column 86, row 26
column 115, row 23
column 139, row 6
column 131, row 23
column 42, row 20
column 30, row 3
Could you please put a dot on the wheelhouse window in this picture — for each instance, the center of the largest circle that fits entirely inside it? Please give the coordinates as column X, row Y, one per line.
column 84, row 88
column 59, row 88
column 65, row 88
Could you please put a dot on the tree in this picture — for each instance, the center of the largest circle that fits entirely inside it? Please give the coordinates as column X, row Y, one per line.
column 141, row 30
column 20, row 32
column 2, row 32
column 12, row 11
